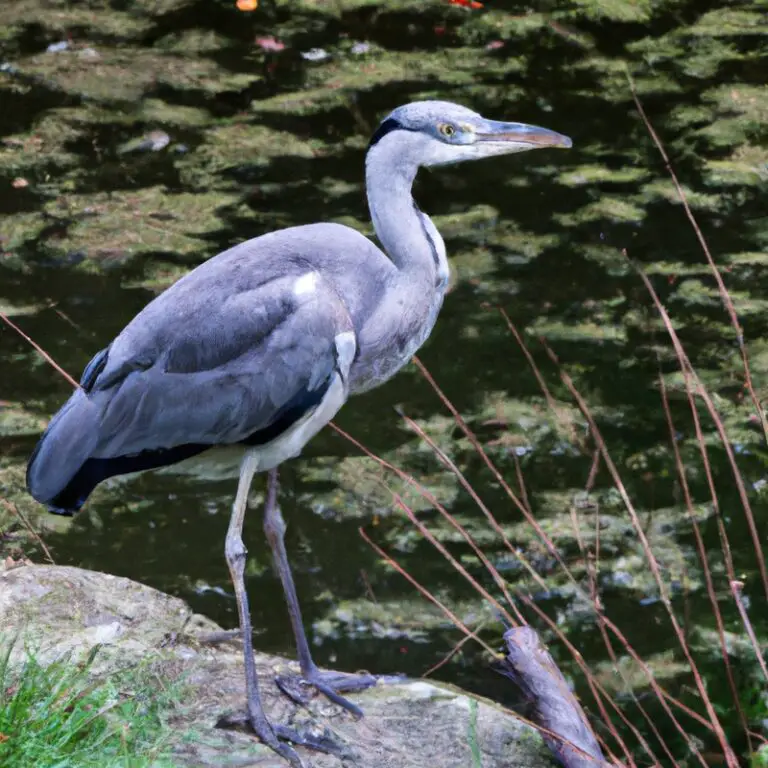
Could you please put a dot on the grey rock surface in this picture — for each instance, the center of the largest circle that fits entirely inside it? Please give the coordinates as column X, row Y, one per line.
column 412, row 723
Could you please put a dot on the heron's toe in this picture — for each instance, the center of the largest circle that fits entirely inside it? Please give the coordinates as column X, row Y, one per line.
column 329, row 683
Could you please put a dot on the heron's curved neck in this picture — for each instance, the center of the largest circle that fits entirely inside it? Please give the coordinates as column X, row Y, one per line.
column 408, row 236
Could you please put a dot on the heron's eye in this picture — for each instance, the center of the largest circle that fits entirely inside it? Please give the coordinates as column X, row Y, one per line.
column 447, row 130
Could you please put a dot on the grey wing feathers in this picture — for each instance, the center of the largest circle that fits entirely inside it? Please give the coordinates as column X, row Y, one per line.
column 209, row 364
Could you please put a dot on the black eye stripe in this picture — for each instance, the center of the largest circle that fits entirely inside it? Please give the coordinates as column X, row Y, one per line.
column 386, row 127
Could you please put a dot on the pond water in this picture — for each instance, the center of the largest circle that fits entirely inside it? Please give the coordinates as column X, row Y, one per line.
column 254, row 135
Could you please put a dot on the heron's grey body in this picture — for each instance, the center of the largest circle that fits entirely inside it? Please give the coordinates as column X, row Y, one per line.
column 213, row 359
column 261, row 345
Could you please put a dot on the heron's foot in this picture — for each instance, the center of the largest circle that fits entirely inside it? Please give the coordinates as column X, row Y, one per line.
column 328, row 683
column 281, row 737
column 278, row 737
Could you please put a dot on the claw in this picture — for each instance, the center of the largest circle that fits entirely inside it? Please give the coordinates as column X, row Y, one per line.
column 321, row 742
column 275, row 737
column 327, row 683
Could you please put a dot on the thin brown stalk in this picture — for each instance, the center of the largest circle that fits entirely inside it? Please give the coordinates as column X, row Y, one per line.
column 11, row 507
column 39, row 349
column 426, row 593
column 496, row 473
column 650, row 557
column 595, row 594
column 724, row 295
column 449, row 464
column 688, row 376
column 725, row 545
column 521, row 484
column 531, row 363
column 551, row 403
column 590, row 563
column 436, row 504
column 736, row 588
column 630, row 689
column 597, row 690
column 52, row 305
column 664, row 697
column 500, row 582
column 448, row 656
column 455, row 619
column 702, row 552
column 719, row 426
column 596, row 455
column 429, row 536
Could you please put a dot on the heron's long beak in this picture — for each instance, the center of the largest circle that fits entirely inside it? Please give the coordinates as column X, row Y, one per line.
column 519, row 133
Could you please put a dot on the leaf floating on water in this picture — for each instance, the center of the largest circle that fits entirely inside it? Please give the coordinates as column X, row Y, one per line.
column 57, row 47
column 270, row 44
column 315, row 54
column 154, row 141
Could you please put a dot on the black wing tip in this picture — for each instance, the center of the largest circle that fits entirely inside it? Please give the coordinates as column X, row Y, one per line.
column 95, row 470
column 61, row 511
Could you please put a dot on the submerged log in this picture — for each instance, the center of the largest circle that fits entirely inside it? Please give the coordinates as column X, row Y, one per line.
column 555, row 708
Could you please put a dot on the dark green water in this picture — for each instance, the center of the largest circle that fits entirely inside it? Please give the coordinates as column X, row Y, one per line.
column 90, row 233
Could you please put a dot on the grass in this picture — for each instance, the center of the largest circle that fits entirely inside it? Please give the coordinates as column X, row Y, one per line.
column 60, row 715
column 477, row 758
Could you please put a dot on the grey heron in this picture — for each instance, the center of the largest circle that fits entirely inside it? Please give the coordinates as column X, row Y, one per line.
column 262, row 344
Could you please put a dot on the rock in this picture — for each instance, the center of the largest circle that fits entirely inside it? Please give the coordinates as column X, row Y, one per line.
column 410, row 723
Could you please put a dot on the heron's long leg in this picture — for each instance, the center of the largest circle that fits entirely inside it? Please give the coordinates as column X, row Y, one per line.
column 328, row 683
column 235, row 553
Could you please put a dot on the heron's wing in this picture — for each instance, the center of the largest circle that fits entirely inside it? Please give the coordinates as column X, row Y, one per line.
column 214, row 366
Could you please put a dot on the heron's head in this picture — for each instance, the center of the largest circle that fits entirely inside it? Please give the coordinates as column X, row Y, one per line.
column 438, row 132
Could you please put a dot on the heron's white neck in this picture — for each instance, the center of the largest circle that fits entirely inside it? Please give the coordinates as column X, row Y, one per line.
column 408, row 236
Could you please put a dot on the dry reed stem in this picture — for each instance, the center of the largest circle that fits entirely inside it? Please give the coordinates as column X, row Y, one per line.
column 593, row 578
column 736, row 587
column 448, row 656
column 719, row 426
column 596, row 688
column 630, row 689
column 521, row 484
column 650, row 557
column 551, row 402
column 39, row 350
column 496, row 473
column 724, row 295
column 434, row 502
column 500, row 582
column 451, row 465
column 427, row 534
column 424, row 591
column 452, row 616
column 702, row 552
column 11, row 507
column 704, row 451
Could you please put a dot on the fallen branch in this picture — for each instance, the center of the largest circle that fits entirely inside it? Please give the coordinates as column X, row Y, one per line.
column 533, row 669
